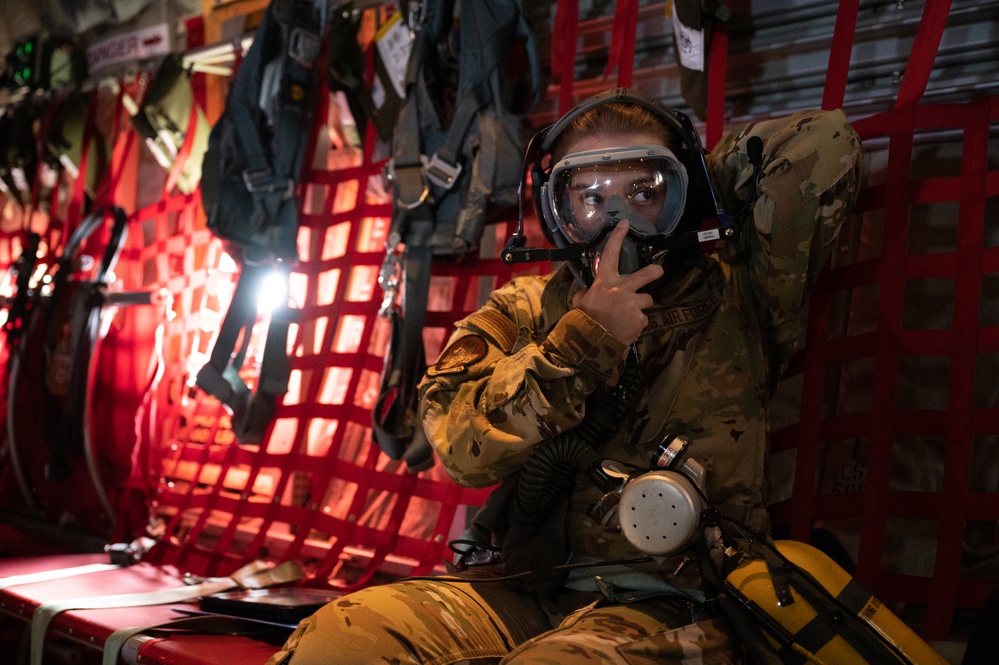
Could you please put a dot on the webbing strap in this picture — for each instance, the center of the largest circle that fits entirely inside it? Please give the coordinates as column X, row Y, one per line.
column 254, row 575
column 207, row 624
column 854, row 597
column 839, row 54
column 815, row 634
column 892, row 269
column 121, row 152
column 272, row 383
column 241, row 98
column 891, row 285
column 410, row 189
column 220, row 376
column 298, row 67
column 405, row 363
column 419, row 263
column 56, row 574
column 184, row 153
column 961, row 412
column 717, row 75
column 857, row 633
column 563, row 48
column 957, row 426
column 622, row 48
column 924, row 52
column 45, row 612
column 466, row 108
column 75, row 207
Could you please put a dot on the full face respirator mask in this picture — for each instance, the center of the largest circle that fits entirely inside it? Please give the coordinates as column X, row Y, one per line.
column 589, row 193
column 664, row 192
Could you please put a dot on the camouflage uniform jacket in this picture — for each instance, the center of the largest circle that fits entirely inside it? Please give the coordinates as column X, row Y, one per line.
column 722, row 330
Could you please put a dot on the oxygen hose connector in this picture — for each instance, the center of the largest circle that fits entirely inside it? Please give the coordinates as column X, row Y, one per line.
column 657, row 511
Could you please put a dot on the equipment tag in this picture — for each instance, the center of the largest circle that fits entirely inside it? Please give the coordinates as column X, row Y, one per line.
column 689, row 45
column 394, row 43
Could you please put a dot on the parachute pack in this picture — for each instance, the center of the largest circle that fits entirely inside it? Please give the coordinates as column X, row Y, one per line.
column 471, row 76
column 254, row 155
column 249, row 177
column 457, row 150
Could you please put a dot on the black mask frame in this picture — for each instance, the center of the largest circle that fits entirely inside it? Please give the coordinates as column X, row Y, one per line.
column 702, row 202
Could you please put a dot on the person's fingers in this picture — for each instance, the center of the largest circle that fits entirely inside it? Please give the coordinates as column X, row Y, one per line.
column 643, row 276
column 612, row 250
column 644, row 301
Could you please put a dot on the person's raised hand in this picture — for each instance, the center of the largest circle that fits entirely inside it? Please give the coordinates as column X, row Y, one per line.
column 613, row 299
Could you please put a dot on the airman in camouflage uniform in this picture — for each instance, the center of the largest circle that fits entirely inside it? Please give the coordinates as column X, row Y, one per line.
column 520, row 370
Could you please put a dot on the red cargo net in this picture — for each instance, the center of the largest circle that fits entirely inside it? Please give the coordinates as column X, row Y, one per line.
column 318, row 490
column 899, row 425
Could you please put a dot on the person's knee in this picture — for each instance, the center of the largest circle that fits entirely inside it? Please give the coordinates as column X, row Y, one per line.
column 627, row 635
column 368, row 626
column 414, row 622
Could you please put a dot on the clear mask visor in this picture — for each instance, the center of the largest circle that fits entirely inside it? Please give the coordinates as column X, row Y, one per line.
column 592, row 191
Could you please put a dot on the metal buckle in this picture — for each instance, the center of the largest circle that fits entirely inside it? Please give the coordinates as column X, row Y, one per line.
column 389, row 171
column 261, row 180
column 410, row 206
column 303, row 47
column 389, row 275
column 440, row 173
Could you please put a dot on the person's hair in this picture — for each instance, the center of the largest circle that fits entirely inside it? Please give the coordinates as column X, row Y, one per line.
column 614, row 119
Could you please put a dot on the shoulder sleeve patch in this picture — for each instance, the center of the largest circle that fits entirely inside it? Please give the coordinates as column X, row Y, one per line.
column 457, row 357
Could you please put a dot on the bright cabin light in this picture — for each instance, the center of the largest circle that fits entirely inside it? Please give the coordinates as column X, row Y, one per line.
column 273, row 293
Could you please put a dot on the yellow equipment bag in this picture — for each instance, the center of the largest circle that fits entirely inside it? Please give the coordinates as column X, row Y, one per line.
column 812, row 611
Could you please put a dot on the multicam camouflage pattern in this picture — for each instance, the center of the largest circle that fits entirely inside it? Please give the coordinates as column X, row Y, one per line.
column 720, row 334
column 421, row 622
column 719, row 337
column 417, row 622
column 628, row 635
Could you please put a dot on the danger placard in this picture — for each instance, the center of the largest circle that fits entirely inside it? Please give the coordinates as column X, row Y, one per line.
column 138, row 45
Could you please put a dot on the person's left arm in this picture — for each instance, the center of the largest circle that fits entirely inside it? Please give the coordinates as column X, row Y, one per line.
column 805, row 188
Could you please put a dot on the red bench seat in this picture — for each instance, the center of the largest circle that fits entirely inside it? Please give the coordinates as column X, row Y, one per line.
column 76, row 635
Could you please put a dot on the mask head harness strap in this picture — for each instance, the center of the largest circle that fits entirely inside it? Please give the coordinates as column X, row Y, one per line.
column 702, row 202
